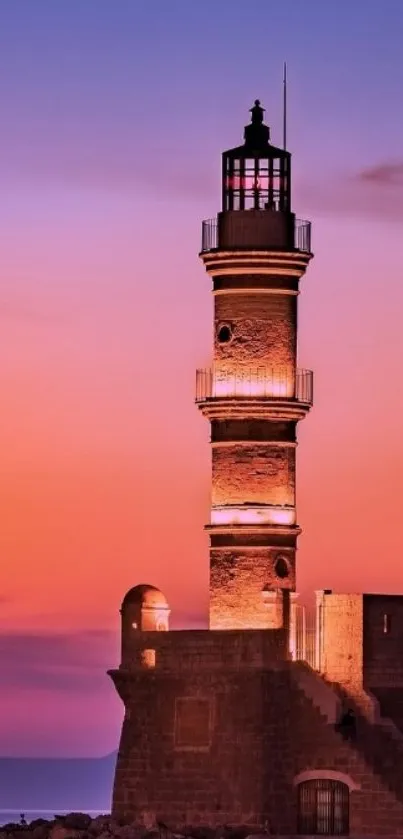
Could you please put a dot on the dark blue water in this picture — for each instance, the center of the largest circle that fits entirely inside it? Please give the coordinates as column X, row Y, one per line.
column 30, row 815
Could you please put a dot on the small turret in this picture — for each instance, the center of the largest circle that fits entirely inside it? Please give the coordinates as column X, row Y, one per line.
column 145, row 608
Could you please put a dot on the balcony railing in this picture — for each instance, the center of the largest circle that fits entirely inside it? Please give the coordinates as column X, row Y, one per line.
column 302, row 236
column 257, row 383
column 209, row 235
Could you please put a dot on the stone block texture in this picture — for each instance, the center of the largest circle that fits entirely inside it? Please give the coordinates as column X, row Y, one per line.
column 263, row 330
column 341, row 639
column 253, row 473
column 383, row 654
column 253, row 464
column 218, row 732
column 361, row 648
column 240, row 581
column 383, row 640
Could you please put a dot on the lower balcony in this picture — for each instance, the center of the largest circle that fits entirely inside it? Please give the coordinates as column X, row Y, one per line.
column 258, row 383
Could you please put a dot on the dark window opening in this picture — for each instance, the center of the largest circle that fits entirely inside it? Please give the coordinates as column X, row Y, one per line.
column 224, row 334
column 387, row 624
column 323, row 808
column 281, row 568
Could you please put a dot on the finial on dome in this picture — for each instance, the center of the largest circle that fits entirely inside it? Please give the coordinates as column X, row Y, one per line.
column 257, row 113
column 257, row 134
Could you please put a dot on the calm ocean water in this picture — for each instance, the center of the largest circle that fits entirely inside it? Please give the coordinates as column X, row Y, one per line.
column 30, row 815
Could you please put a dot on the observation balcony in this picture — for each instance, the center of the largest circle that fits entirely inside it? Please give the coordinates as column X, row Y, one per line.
column 256, row 230
column 260, row 383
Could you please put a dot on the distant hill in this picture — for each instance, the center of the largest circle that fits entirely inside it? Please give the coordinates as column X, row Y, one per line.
column 56, row 783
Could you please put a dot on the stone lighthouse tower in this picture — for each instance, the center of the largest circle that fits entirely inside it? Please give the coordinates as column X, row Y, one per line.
column 254, row 395
column 222, row 728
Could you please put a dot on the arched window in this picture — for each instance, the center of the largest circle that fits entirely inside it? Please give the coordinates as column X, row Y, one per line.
column 323, row 808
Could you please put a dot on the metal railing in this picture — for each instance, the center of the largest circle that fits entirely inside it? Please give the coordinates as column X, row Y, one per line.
column 305, row 637
column 302, row 236
column 209, row 235
column 258, row 383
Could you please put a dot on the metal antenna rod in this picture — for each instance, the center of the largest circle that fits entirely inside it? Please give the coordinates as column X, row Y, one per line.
column 285, row 106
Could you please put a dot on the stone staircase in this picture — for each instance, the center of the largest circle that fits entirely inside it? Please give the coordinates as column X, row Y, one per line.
column 378, row 743
column 318, row 691
column 389, row 702
column 373, row 761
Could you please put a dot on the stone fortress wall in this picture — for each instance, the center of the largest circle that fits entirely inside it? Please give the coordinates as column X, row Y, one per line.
column 221, row 727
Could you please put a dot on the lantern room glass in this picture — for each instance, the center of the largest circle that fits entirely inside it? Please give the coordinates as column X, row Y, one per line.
column 256, row 181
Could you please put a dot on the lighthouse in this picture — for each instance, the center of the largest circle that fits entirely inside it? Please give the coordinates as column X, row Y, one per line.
column 254, row 394
column 225, row 727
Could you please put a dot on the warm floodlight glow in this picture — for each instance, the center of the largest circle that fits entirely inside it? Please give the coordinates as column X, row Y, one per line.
column 259, row 514
column 249, row 384
column 147, row 658
column 261, row 382
column 160, row 619
column 155, row 618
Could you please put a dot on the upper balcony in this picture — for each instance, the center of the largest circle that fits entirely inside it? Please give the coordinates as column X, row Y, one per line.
column 256, row 230
column 260, row 383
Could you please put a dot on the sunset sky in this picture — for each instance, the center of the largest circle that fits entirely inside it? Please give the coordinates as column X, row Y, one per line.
column 114, row 114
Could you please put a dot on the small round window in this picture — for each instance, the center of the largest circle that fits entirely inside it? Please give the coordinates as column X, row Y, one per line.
column 281, row 568
column 224, row 333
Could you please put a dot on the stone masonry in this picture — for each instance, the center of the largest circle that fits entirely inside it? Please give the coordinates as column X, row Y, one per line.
column 217, row 731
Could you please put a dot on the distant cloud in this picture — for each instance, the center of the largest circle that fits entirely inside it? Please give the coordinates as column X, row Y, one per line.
column 390, row 174
column 375, row 192
column 65, row 661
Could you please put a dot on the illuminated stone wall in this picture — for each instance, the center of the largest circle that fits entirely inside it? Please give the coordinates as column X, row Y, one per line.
column 253, row 483
column 253, row 516
column 258, row 474
column 263, row 332
column 342, row 640
column 240, row 580
column 360, row 645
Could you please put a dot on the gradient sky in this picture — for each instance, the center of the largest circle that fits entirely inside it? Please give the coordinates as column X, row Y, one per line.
column 114, row 114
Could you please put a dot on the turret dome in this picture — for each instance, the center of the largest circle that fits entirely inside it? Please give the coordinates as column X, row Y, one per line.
column 145, row 596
